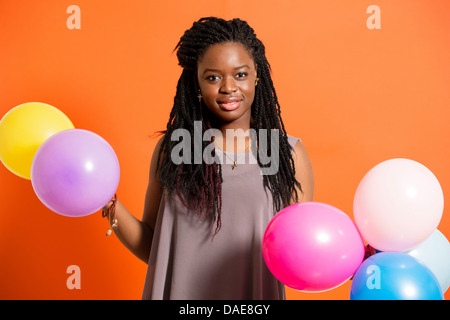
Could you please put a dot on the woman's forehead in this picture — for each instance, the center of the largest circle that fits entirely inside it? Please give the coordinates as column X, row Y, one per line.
column 227, row 54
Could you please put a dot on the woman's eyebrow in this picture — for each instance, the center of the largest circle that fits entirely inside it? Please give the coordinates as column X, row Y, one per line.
column 240, row 67
column 216, row 70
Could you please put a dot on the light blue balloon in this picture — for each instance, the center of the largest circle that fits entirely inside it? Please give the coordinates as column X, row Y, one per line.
column 434, row 252
column 394, row 276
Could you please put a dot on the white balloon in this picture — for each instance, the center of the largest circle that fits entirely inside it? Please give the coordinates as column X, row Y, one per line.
column 397, row 205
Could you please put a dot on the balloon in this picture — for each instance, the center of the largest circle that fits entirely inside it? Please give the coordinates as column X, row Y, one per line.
column 312, row 246
column 75, row 173
column 397, row 205
column 394, row 276
column 23, row 129
column 434, row 252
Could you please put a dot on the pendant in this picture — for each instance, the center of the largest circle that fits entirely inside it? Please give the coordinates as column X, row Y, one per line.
column 234, row 165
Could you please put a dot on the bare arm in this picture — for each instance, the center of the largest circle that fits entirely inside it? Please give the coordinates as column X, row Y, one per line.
column 137, row 235
column 303, row 172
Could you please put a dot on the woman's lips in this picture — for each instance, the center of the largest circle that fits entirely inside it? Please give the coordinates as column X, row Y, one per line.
column 229, row 104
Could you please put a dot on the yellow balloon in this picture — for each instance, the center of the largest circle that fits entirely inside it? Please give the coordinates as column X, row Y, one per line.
column 22, row 131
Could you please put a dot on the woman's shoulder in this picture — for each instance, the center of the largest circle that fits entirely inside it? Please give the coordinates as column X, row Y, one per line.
column 293, row 140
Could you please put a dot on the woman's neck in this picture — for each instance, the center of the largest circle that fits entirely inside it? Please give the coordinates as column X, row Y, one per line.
column 235, row 136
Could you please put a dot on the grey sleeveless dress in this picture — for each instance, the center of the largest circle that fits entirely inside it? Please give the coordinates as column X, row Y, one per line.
column 186, row 263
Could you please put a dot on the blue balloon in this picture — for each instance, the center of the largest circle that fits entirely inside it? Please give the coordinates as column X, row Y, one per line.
column 394, row 276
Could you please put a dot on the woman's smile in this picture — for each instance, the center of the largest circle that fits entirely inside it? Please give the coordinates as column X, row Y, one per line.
column 229, row 104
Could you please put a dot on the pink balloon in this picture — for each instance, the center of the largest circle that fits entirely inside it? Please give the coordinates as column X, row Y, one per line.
column 312, row 247
column 398, row 204
column 75, row 173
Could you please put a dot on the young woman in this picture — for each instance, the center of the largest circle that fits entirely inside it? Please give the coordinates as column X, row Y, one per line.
column 203, row 224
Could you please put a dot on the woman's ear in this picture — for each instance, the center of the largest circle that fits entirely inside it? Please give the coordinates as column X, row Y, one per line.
column 196, row 85
column 198, row 92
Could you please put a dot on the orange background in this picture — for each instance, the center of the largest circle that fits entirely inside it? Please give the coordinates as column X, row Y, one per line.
column 355, row 96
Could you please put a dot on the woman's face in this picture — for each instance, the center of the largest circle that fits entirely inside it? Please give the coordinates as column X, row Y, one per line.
column 226, row 76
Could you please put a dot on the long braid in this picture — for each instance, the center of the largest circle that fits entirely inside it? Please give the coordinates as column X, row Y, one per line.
column 199, row 186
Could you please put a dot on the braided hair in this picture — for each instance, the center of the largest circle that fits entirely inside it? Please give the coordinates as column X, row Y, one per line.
column 199, row 185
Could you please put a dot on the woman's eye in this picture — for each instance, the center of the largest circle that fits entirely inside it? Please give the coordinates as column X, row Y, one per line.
column 242, row 75
column 212, row 78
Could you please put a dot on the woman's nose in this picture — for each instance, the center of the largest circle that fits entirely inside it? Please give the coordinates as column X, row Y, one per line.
column 228, row 85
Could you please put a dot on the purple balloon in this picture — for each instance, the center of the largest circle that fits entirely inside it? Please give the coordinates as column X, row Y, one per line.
column 75, row 173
